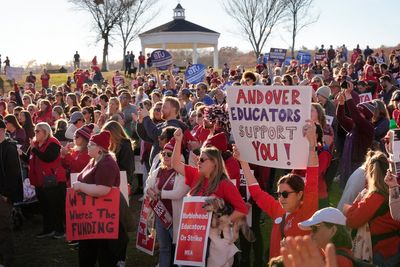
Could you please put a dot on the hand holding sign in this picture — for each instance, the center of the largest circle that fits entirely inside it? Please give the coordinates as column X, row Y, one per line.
column 390, row 179
column 236, row 153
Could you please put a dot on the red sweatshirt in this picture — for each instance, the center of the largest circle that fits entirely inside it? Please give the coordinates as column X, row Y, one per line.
column 362, row 212
column 273, row 208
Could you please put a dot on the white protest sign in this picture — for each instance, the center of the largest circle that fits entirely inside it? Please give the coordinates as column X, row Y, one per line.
column 267, row 123
column 366, row 97
column 14, row 73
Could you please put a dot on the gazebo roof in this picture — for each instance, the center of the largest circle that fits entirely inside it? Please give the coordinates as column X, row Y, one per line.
column 179, row 25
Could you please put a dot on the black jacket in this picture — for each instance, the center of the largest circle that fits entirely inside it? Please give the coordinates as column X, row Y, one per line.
column 10, row 171
column 125, row 158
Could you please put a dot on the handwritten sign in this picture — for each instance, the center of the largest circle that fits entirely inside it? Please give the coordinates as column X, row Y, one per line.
column 277, row 55
column 161, row 59
column 14, row 73
column 195, row 73
column 194, row 227
column 144, row 241
column 267, row 124
column 366, row 97
column 92, row 217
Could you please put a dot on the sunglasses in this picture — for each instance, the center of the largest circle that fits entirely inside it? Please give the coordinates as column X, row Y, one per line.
column 166, row 154
column 284, row 194
column 202, row 160
column 157, row 109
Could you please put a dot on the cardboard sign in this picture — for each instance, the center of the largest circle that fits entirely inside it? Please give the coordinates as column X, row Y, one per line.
column 195, row 73
column 320, row 56
column 145, row 242
column 267, row 124
column 277, row 55
column 194, row 227
column 366, row 97
column 161, row 59
column 92, row 217
column 14, row 73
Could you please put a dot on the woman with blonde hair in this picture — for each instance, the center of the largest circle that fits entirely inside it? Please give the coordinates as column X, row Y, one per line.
column 113, row 106
column 49, row 179
column 372, row 207
column 121, row 145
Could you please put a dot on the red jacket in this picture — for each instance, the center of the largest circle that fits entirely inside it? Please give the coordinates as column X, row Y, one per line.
column 76, row 161
column 233, row 170
column 46, row 117
column 274, row 209
column 363, row 211
column 38, row 169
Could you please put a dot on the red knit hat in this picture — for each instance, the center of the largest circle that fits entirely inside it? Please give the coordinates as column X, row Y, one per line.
column 170, row 145
column 85, row 131
column 102, row 139
column 367, row 108
column 220, row 141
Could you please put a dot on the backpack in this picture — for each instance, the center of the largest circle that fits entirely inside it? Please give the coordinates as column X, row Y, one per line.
column 356, row 262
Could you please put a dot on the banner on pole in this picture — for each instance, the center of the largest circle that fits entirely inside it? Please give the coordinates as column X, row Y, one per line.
column 267, row 123
column 14, row 73
column 277, row 55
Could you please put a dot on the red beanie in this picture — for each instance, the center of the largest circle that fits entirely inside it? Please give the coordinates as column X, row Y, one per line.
column 85, row 131
column 102, row 139
column 170, row 145
column 220, row 141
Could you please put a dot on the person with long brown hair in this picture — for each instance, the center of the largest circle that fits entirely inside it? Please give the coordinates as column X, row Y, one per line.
column 372, row 207
column 15, row 130
column 121, row 145
column 297, row 200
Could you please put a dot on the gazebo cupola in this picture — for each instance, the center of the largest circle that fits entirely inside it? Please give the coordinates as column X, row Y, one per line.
column 179, row 12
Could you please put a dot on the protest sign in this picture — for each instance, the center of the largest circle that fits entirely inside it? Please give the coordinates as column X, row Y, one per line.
column 277, row 55
column 366, row 97
column 161, row 59
column 92, row 217
column 267, row 124
column 303, row 57
column 194, row 227
column 288, row 60
column 195, row 73
column 144, row 241
column 319, row 56
column 14, row 73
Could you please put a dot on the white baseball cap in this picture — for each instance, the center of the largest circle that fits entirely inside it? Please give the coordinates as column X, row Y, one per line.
column 328, row 215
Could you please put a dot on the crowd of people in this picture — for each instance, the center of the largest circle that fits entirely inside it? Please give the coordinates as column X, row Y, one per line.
column 180, row 134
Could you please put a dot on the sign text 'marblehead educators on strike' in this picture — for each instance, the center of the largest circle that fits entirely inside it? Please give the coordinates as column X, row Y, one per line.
column 91, row 217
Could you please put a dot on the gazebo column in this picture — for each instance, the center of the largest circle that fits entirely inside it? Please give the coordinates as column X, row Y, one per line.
column 216, row 56
column 164, row 46
column 194, row 56
column 143, row 48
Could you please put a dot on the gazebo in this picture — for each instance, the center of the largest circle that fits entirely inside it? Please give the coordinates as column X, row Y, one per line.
column 180, row 34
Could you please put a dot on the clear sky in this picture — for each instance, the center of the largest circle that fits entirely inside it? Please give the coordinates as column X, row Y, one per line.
column 51, row 30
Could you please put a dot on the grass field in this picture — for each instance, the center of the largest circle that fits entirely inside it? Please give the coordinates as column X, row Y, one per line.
column 32, row 252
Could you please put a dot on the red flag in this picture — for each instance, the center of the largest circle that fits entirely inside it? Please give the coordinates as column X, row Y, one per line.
column 94, row 61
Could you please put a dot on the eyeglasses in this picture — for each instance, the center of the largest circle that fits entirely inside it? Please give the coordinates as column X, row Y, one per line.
column 202, row 160
column 284, row 194
column 199, row 115
column 315, row 228
column 166, row 154
column 157, row 109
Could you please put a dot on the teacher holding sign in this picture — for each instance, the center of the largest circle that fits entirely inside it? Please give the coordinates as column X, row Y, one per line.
column 297, row 200
column 209, row 178
column 96, row 180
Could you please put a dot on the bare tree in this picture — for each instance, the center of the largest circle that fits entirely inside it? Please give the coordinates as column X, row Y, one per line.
column 298, row 12
column 256, row 18
column 106, row 15
column 131, row 24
